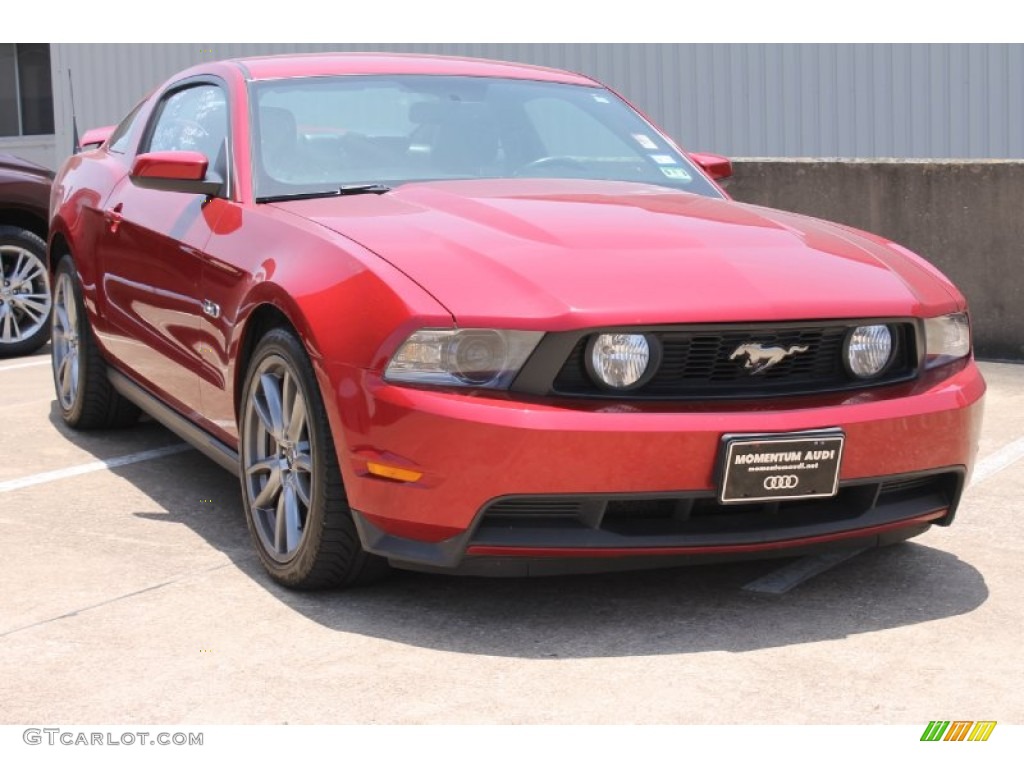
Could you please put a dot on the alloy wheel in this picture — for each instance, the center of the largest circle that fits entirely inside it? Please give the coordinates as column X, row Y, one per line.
column 24, row 294
column 277, row 458
column 65, row 340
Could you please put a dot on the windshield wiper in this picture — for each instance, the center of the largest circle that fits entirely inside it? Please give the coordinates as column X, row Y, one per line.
column 364, row 189
column 345, row 189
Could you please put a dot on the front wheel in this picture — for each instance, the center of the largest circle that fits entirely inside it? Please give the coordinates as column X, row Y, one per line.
column 292, row 489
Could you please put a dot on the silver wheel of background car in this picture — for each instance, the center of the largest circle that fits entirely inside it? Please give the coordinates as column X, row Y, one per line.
column 24, row 294
column 277, row 459
column 65, row 338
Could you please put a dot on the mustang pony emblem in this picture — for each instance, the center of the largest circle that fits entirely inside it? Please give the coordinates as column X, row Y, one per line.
column 760, row 358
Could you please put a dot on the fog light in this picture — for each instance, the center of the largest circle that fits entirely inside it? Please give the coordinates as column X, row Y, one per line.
column 620, row 360
column 868, row 350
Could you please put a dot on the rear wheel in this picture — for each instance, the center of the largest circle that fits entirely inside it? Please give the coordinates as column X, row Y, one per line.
column 85, row 396
column 292, row 490
column 24, row 292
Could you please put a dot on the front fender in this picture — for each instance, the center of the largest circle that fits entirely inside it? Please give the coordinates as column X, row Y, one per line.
column 350, row 309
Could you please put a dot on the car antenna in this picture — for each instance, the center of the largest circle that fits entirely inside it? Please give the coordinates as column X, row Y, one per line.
column 76, row 145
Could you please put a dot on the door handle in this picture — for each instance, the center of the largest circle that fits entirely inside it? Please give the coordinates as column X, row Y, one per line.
column 113, row 217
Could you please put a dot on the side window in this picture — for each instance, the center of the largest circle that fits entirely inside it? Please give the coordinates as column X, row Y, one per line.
column 120, row 139
column 193, row 118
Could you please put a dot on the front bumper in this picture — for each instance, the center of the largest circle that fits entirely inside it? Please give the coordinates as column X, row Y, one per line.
column 475, row 451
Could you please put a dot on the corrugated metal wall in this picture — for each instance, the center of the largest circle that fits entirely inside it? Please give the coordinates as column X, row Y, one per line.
column 763, row 100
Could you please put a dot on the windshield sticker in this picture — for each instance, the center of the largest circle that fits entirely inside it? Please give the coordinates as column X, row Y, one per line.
column 601, row 99
column 676, row 173
column 644, row 141
column 663, row 159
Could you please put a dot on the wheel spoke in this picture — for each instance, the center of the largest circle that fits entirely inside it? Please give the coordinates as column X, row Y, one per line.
column 10, row 327
column 62, row 315
column 32, row 271
column 288, row 393
column 18, row 266
column 62, row 372
column 27, row 268
column 297, row 419
column 65, row 377
column 302, row 487
column 268, row 464
column 280, row 537
column 68, row 295
column 33, row 305
column 293, row 523
column 303, row 463
column 270, row 490
column 268, row 407
column 73, row 378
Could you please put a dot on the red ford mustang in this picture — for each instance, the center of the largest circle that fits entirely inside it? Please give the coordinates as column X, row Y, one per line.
column 483, row 317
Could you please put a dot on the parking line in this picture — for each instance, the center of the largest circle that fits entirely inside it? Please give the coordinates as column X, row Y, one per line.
column 30, row 364
column 92, row 466
column 998, row 461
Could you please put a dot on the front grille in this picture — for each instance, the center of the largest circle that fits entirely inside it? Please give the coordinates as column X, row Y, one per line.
column 697, row 519
column 697, row 364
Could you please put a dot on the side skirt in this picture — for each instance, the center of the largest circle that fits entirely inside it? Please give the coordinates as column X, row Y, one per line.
column 200, row 439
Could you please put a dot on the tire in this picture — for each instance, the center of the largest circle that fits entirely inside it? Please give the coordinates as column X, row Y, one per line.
column 85, row 397
column 25, row 300
column 292, row 491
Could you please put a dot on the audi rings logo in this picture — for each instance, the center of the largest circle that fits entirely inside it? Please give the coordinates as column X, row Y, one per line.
column 781, row 482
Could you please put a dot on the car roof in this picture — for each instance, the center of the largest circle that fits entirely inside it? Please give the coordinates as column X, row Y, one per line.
column 326, row 64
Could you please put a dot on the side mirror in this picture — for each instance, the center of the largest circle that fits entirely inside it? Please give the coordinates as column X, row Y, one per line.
column 178, row 171
column 716, row 166
column 95, row 137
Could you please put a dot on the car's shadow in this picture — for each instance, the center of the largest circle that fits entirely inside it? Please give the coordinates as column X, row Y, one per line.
column 701, row 608
column 43, row 351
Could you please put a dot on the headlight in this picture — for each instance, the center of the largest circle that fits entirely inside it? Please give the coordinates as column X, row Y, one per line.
column 620, row 360
column 868, row 350
column 946, row 339
column 469, row 357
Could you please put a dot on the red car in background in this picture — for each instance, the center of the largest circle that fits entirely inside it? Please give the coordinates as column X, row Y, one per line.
column 24, row 278
column 474, row 316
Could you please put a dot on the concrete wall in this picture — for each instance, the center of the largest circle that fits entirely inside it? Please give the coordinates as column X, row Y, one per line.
column 963, row 216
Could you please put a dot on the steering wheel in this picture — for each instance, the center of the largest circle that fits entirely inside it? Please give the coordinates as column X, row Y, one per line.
column 551, row 161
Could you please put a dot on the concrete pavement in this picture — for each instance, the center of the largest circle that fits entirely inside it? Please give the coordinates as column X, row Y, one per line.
column 133, row 595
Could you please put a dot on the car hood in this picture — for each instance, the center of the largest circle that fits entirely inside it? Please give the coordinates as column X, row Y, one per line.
column 558, row 254
column 22, row 166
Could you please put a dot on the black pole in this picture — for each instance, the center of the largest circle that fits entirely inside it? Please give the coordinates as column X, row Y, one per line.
column 76, row 145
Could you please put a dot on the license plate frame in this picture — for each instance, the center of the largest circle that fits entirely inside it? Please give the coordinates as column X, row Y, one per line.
column 773, row 474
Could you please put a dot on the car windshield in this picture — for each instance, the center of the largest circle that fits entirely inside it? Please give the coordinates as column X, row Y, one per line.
column 319, row 134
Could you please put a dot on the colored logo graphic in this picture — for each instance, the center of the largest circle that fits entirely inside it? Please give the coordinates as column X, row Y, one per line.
column 958, row 730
